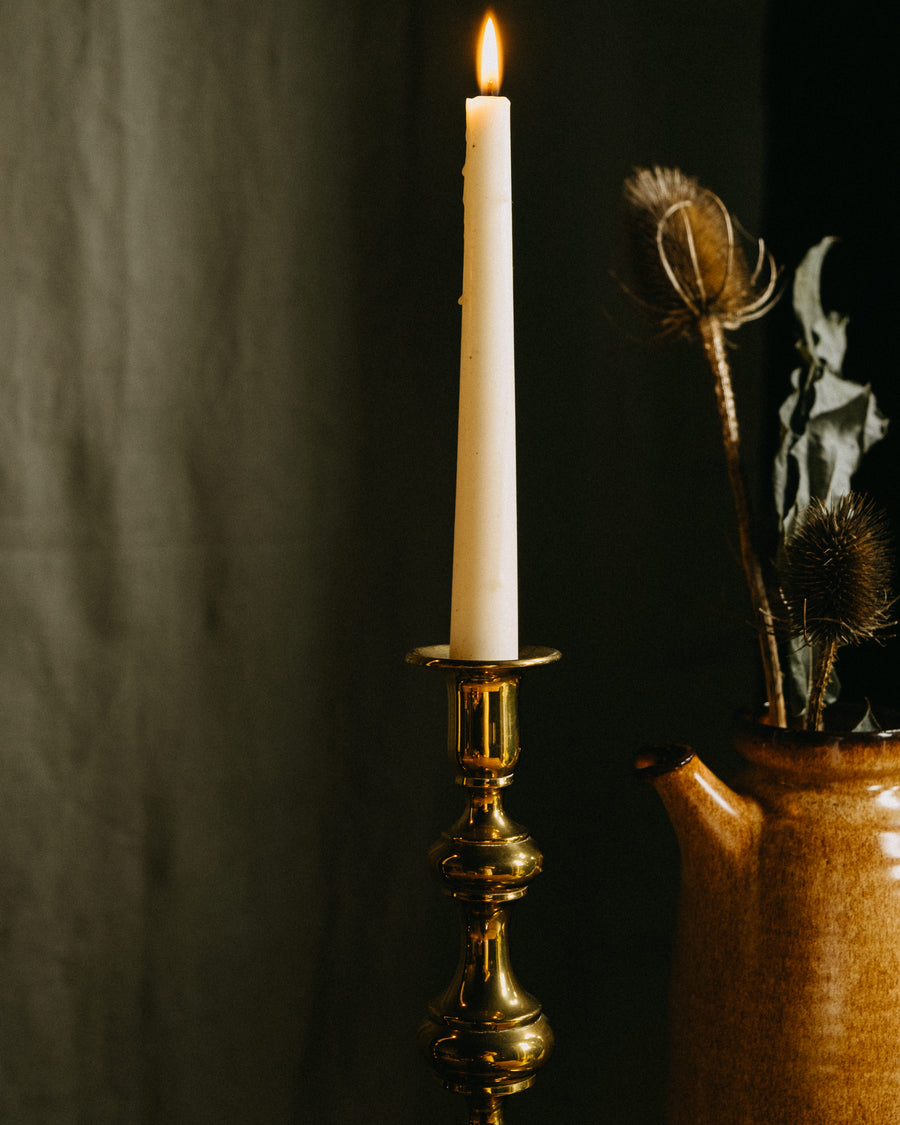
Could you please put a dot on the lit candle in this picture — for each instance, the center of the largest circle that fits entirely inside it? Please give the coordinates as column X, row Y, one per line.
column 484, row 611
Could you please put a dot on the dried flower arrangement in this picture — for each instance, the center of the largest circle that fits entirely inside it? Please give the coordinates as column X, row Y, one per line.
column 692, row 278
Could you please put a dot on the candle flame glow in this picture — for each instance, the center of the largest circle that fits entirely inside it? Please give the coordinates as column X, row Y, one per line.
column 490, row 61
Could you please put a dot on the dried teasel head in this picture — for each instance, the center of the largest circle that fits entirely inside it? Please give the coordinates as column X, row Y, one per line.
column 836, row 573
column 688, row 264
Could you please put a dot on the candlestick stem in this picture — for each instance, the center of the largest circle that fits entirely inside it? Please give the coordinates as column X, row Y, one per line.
column 485, row 1110
column 485, row 1036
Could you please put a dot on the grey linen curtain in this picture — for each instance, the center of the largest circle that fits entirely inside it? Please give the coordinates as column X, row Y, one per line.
column 175, row 467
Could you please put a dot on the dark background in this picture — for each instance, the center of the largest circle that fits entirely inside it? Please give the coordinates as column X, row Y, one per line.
column 229, row 267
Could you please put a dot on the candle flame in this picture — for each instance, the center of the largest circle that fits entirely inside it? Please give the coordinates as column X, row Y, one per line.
column 490, row 61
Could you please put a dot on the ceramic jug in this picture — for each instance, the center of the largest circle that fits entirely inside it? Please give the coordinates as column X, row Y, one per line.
column 785, row 996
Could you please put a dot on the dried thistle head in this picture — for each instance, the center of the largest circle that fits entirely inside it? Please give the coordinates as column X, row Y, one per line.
column 688, row 263
column 836, row 573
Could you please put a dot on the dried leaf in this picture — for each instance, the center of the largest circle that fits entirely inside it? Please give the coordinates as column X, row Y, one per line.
column 824, row 335
column 827, row 424
column 823, row 441
column 868, row 723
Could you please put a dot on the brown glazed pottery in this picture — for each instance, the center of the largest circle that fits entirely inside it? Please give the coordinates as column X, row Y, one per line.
column 785, row 998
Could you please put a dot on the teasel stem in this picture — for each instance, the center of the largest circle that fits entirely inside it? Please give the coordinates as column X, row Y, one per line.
column 713, row 338
column 815, row 704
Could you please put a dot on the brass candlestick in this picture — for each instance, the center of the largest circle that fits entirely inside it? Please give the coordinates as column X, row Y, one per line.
column 485, row 1036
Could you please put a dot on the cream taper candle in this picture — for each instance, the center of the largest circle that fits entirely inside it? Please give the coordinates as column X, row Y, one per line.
column 484, row 611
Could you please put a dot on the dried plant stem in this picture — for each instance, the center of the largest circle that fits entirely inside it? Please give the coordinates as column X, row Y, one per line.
column 713, row 337
column 815, row 704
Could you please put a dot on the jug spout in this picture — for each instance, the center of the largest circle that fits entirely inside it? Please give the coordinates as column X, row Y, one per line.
column 714, row 825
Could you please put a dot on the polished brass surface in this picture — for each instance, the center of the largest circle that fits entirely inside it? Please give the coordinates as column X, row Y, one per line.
column 438, row 656
column 486, row 1037
column 485, row 1111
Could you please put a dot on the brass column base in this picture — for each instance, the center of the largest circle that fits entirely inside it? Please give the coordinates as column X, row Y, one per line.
column 485, row 1036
